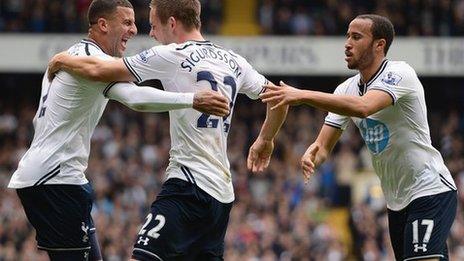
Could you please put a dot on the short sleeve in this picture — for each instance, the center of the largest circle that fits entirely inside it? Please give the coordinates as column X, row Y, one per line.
column 336, row 120
column 252, row 82
column 150, row 64
column 398, row 82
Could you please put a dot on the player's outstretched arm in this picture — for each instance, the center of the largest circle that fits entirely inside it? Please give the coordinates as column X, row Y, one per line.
column 92, row 68
column 348, row 105
column 318, row 152
column 147, row 99
column 260, row 152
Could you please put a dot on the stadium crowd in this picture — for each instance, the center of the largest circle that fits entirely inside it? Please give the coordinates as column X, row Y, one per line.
column 275, row 215
column 282, row 17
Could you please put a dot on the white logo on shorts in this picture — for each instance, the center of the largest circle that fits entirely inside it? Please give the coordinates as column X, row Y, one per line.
column 417, row 248
column 85, row 228
column 143, row 240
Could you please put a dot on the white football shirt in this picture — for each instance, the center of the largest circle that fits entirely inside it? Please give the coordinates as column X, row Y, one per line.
column 199, row 141
column 70, row 108
column 398, row 136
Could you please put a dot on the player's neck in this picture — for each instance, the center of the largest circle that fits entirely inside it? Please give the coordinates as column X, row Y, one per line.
column 99, row 41
column 369, row 71
column 194, row 35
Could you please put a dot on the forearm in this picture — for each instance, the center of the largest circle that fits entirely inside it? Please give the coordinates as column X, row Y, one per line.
column 321, row 155
column 81, row 66
column 149, row 99
column 273, row 122
column 348, row 105
column 95, row 69
column 326, row 140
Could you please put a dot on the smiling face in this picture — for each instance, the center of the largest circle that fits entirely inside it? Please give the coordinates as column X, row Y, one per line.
column 360, row 44
column 121, row 28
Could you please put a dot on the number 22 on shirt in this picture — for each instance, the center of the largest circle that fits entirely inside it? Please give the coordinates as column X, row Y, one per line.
column 206, row 120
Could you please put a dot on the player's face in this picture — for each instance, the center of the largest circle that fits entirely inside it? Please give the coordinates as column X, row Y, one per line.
column 121, row 28
column 159, row 31
column 359, row 45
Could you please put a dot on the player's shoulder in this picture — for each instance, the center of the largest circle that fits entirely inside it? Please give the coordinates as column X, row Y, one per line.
column 234, row 55
column 168, row 52
column 396, row 72
column 399, row 67
column 176, row 48
column 87, row 47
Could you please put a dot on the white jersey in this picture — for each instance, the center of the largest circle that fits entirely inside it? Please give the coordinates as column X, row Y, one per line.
column 199, row 141
column 398, row 136
column 69, row 109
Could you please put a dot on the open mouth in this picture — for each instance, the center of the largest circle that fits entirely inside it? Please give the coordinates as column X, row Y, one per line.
column 124, row 43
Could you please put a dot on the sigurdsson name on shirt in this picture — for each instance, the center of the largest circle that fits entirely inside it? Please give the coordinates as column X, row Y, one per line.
column 202, row 53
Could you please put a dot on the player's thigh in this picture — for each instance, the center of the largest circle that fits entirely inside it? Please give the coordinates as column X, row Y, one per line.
column 428, row 226
column 177, row 220
column 60, row 214
column 212, row 243
column 95, row 251
column 396, row 225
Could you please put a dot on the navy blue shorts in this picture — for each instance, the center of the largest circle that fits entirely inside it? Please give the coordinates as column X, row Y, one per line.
column 420, row 230
column 61, row 216
column 185, row 223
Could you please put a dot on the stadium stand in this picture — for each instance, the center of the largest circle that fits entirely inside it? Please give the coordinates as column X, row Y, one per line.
column 281, row 17
column 339, row 215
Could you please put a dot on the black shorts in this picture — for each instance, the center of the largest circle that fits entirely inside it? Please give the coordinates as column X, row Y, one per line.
column 185, row 223
column 420, row 230
column 61, row 215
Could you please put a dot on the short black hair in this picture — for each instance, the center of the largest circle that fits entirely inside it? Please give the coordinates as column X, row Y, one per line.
column 382, row 28
column 104, row 8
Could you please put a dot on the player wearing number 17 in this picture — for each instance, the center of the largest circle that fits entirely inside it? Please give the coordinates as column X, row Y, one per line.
column 386, row 101
column 188, row 220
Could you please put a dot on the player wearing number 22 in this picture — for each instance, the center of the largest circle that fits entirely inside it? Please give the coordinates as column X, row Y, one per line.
column 50, row 179
column 189, row 217
column 386, row 102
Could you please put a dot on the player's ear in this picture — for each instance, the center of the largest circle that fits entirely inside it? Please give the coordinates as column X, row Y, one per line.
column 172, row 22
column 381, row 44
column 102, row 24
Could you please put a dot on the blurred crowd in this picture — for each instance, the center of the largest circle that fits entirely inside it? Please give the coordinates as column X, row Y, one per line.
column 331, row 17
column 70, row 16
column 276, row 216
column 281, row 17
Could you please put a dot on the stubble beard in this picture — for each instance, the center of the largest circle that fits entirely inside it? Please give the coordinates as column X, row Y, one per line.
column 364, row 61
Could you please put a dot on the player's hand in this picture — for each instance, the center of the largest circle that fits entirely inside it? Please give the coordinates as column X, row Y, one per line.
column 211, row 102
column 281, row 95
column 308, row 161
column 259, row 155
column 54, row 65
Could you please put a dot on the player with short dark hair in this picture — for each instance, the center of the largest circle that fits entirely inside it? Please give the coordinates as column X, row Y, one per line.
column 381, row 28
column 188, row 219
column 50, row 179
column 386, row 102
